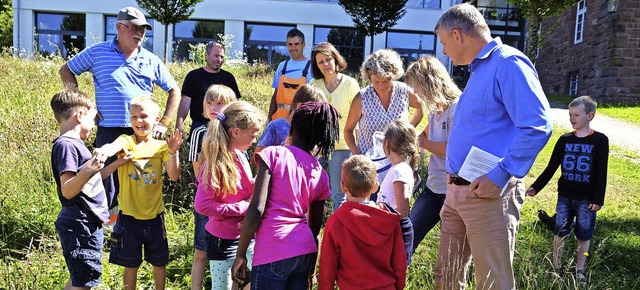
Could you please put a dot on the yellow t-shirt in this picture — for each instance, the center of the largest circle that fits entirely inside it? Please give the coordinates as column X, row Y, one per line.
column 341, row 99
column 141, row 178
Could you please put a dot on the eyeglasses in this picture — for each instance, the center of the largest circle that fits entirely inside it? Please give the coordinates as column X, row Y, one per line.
column 135, row 28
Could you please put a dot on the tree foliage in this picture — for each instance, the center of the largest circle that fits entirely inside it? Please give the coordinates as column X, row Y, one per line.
column 168, row 12
column 535, row 11
column 374, row 16
column 6, row 23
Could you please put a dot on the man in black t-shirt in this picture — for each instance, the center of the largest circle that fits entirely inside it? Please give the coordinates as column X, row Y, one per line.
column 194, row 88
column 198, row 81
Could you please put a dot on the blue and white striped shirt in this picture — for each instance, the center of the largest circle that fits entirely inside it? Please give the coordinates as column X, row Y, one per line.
column 118, row 80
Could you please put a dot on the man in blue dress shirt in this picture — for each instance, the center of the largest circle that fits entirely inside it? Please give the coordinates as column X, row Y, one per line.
column 502, row 111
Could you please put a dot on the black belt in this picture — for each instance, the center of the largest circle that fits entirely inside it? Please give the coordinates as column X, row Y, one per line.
column 457, row 180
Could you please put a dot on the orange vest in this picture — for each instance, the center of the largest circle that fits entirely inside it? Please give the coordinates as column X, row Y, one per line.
column 287, row 88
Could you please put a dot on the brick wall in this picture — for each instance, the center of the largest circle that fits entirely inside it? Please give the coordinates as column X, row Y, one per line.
column 607, row 62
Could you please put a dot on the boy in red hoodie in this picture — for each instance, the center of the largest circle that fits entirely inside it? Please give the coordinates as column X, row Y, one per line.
column 362, row 232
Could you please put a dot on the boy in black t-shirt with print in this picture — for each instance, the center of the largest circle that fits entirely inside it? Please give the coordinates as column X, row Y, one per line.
column 583, row 155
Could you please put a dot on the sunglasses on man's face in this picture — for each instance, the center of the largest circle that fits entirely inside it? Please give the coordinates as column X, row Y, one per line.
column 135, row 28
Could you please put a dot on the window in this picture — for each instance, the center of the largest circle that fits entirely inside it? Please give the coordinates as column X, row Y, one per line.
column 573, row 84
column 60, row 34
column 423, row 4
column 348, row 41
column 266, row 42
column 411, row 45
column 111, row 32
column 580, row 14
column 191, row 32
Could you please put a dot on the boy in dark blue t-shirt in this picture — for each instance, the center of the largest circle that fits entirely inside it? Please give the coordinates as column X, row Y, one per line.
column 80, row 189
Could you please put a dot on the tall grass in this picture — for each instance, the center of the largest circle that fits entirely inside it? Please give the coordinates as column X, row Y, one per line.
column 30, row 254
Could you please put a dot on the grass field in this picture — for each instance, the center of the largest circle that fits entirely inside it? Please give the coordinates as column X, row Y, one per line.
column 30, row 254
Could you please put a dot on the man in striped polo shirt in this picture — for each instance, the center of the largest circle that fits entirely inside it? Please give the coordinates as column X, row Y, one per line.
column 122, row 69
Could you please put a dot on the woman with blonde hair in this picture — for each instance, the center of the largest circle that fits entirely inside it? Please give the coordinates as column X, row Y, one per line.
column 430, row 80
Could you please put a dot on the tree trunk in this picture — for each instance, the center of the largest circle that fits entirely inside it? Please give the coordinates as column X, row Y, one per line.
column 371, row 44
column 534, row 38
column 166, row 42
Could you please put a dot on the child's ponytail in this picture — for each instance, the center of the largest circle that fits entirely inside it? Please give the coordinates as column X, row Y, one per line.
column 219, row 172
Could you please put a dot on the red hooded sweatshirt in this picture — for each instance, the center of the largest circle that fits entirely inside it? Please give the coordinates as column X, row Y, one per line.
column 362, row 248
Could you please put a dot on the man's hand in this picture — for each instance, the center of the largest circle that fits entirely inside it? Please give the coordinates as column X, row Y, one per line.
column 483, row 187
column 158, row 131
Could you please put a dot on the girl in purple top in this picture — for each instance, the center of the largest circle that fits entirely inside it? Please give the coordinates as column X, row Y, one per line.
column 225, row 184
column 289, row 184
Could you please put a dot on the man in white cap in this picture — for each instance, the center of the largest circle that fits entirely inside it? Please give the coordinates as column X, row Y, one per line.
column 122, row 70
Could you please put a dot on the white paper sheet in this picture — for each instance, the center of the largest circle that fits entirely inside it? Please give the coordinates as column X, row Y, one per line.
column 477, row 163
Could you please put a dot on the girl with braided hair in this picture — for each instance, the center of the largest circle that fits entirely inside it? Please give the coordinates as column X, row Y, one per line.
column 285, row 213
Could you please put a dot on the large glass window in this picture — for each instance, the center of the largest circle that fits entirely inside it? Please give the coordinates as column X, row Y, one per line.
column 580, row 14
column 348, row 41
column 61, row 34
column 423, row 4
column 191, row 32
column 111, row 32
column 266, row 42
column 411, row 45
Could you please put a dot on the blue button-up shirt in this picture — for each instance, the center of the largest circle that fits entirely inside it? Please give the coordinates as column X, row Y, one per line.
column 503, row 111
column 118, row 80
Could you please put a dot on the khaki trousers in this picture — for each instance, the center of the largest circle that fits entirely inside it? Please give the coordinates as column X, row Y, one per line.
column 483, row 228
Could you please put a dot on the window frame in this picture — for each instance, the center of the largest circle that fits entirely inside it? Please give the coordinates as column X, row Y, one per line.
column 61, row 49
column 176, row 40
column 269, row 43
column 147, row 43
column 574, row 82
column 581, row 13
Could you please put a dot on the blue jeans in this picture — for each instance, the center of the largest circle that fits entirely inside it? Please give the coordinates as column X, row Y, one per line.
column 292, row 273
column 567, row 210
column 200, row 233
column 335, row 174
column 425, row 214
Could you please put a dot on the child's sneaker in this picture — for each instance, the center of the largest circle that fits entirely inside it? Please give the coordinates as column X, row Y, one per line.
column 580, row 277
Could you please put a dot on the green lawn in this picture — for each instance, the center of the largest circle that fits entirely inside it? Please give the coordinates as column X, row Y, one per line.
column 30, row 254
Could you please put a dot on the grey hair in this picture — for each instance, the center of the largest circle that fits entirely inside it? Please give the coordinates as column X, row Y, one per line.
column 464, row 17
column 211, row 44
column 384, row 63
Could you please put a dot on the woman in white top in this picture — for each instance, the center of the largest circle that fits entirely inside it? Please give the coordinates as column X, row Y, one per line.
column 430, row 80
column 381, row 102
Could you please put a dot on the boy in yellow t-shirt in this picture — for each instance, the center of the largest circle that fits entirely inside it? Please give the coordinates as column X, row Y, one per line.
column 140, row 222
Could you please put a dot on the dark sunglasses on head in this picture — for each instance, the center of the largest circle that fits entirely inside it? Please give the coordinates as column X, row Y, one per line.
column 290, row 86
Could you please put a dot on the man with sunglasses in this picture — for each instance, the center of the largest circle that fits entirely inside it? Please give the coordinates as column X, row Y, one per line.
column 122, row 70
column 290, row 76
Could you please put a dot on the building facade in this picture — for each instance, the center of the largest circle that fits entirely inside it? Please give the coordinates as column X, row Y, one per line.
column 258, row 28
column 592, row 49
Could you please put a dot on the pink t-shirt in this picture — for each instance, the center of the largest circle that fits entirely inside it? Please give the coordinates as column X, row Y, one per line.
column 226, row 214
column 297, row 180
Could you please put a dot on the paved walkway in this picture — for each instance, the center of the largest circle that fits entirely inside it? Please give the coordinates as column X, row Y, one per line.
column 620, row 133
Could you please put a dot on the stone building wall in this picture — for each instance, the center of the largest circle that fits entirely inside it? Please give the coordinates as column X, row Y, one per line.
column 607, row 60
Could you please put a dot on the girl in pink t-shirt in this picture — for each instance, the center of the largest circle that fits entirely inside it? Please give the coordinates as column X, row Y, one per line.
column 225, row 184
column 290, row 183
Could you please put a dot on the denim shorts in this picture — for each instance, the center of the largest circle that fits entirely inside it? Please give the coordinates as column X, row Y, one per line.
column 585, row 220
column 82, row 250
column 200, row 233
column 219, row 249
column 131, row 235
column 291, row 273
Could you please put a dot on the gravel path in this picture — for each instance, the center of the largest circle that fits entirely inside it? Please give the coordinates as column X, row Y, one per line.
column 620, row 133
